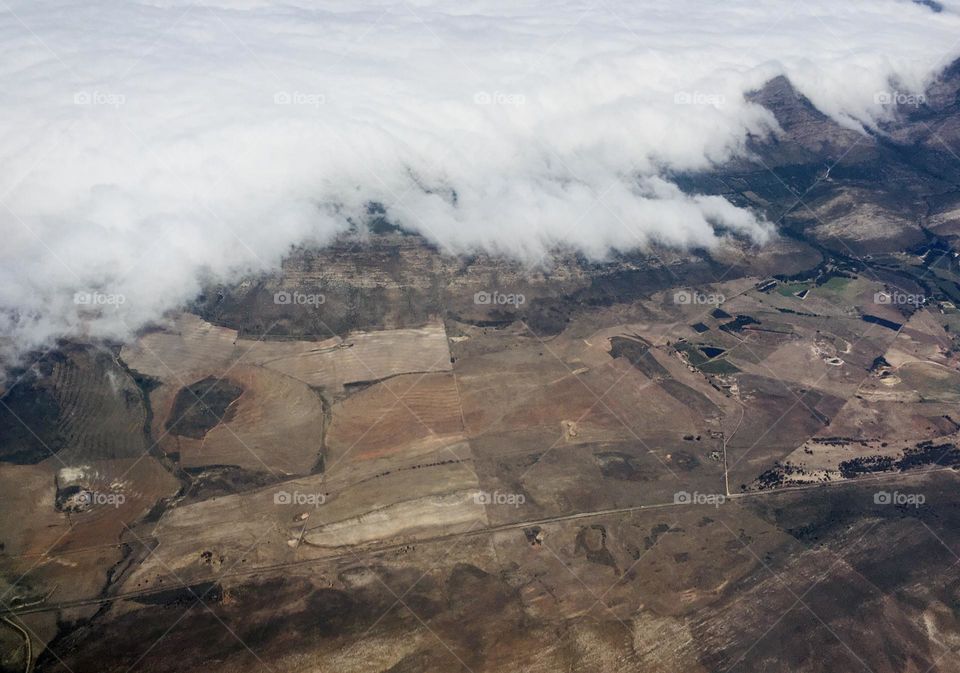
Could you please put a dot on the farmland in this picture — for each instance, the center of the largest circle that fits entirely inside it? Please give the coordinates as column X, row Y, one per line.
column 631, row 475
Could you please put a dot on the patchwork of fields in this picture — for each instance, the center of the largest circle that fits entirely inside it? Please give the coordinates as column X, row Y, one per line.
column 656, row 482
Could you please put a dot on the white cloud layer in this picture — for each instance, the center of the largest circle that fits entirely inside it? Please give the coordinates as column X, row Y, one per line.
column 146, row 143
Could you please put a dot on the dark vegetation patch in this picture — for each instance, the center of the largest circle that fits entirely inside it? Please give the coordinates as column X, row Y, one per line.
column 13, row 650
column 832, row 265
column 637, row 352
column 632, row 348
column 738, row 323
column 469, row 588
column 273, row 616
column 208, row 592
column 719, row 366
column 778, row 475
column 883, row 322
column 29, row 424
column 655, row 533
column 923, row 454
column 592, row 540
column 829, row 515
column 865, row 465
column 201, row 406
column 692, row 353
column 927, row 453
column 766, row 285
column 212, row 481
column 790, row 311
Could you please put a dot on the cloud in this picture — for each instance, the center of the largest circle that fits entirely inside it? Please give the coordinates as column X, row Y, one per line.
column 147, row 144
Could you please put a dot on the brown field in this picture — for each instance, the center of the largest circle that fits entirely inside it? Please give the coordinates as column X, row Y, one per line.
column 595, row 484
column 193, row 346
column 275, row 426
column 400, row 417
